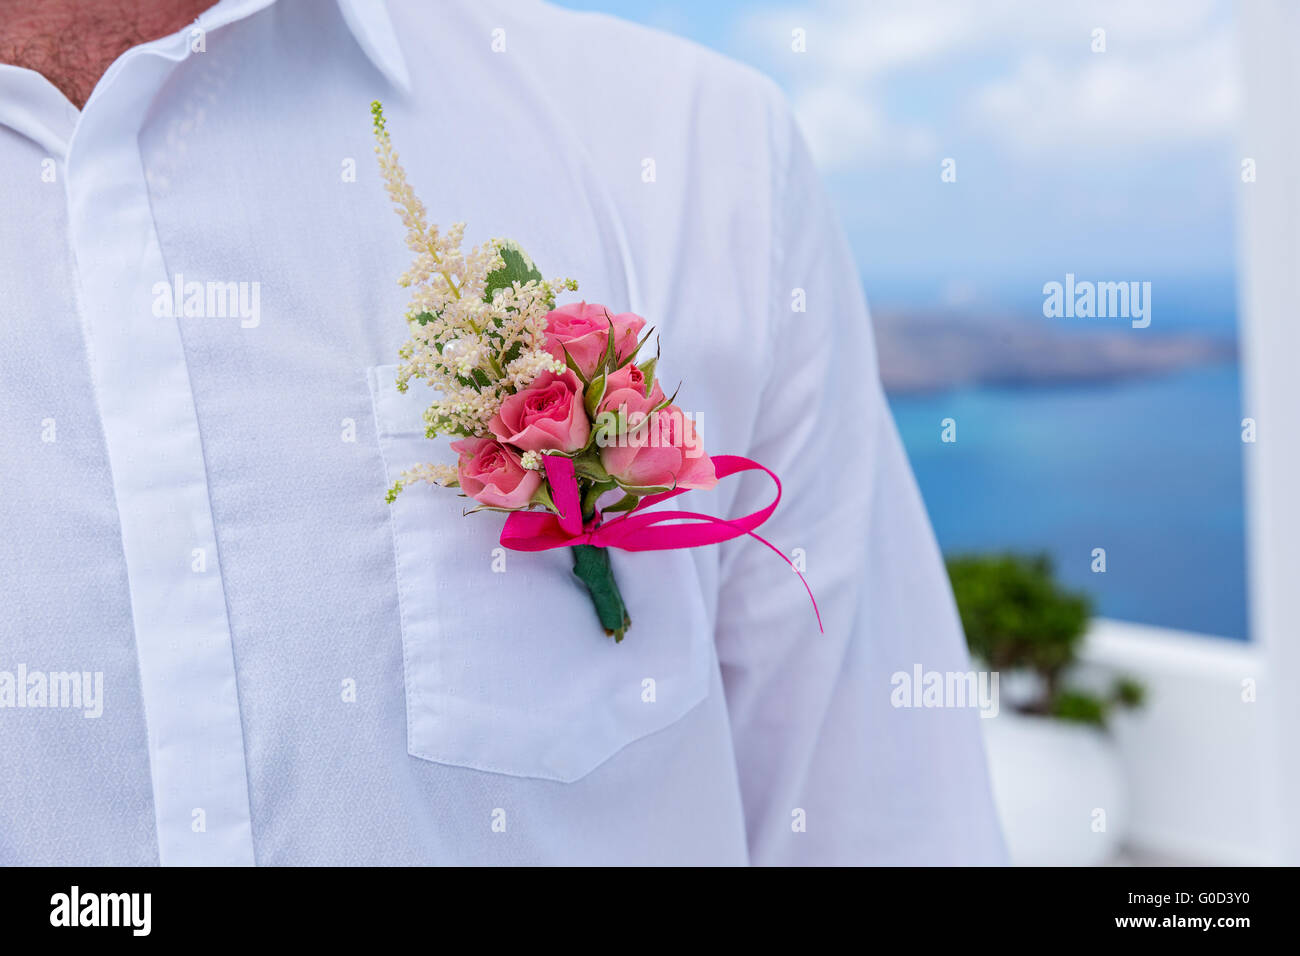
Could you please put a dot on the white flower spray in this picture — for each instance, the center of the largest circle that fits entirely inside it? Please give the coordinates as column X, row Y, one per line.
column 477, row 319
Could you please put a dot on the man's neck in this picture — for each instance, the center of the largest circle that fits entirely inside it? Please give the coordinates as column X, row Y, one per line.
column 72, row 42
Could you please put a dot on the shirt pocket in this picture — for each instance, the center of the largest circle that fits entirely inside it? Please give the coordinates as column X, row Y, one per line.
column 505, row 664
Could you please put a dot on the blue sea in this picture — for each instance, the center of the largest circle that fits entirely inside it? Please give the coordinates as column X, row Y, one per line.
column 1148, row 469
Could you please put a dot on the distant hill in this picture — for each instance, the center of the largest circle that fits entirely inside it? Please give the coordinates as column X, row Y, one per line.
column 924, row 352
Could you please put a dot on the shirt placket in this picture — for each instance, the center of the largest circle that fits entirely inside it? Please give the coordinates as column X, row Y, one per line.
column 151, row 431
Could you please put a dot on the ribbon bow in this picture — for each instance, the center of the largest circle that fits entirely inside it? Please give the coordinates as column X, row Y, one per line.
column 637, row 530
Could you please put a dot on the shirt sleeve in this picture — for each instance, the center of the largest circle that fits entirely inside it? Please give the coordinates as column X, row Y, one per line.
column 831, row 771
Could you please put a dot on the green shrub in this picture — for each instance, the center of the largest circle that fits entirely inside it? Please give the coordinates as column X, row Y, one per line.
column 1017, row 617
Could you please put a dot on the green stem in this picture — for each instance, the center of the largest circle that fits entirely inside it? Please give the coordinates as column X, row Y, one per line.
column 591, row 495
column 591, row 565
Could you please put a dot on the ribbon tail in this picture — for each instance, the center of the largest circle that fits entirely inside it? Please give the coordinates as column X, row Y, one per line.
column 638, row 530
column 804, row 580
column 634, row 540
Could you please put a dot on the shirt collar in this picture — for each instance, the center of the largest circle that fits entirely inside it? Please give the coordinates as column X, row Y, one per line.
column 369, row 21
column 30, row 105
column 373, row 29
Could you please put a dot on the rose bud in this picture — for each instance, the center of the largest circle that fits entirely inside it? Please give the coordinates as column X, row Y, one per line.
column 491, row 474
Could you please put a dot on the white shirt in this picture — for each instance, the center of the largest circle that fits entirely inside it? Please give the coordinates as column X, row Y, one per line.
column 291, row 670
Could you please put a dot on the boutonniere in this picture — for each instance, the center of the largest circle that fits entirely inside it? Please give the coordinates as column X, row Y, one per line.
column 559, row 418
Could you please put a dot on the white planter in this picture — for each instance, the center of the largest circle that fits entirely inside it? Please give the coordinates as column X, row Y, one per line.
column 1059, row 789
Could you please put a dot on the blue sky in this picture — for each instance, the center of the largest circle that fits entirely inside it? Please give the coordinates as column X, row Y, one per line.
column 1120, row 164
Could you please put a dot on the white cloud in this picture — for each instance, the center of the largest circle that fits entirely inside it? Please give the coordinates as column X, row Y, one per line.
column 842, row 126
column 852, row 41
column 1114, row 101
column 1168, row 74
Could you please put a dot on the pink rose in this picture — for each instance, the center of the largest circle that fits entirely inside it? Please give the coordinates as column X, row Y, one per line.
column 662, row 452
column 491, row 474
column 546, row 416
column 625, row 388
column 583, row 330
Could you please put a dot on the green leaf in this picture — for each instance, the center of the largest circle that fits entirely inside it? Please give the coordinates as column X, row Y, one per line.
column 518, row 267
column 601, row 424
column 645, row 421
column 573, row 366
column 631, row 355
column 595, row 392
column 648, row 370
column 641, row 490
column 592, row 495
column 666, row 402
column 609, row 362
column 1080, row 707
column 424, row 318
column 589, row 466
column 542, row 496
column 1128, row 693
column 512, row 353
column 626, row 503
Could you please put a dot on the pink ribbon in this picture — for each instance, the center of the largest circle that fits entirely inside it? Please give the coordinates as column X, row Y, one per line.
column 637, row 530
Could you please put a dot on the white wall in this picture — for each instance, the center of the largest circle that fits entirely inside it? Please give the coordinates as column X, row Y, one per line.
column 1269, row 32
column 1196, row 754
